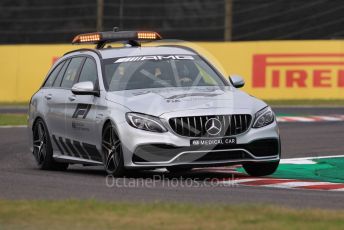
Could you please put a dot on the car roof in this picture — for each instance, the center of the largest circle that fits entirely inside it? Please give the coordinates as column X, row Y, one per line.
column 139, row 51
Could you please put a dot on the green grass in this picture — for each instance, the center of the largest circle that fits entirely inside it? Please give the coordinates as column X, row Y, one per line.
column 13, row 119
column 73, row 214
column 319, row 103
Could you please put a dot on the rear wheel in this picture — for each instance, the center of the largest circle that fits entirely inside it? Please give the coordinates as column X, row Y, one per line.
column 42, row 148
column 112, row 151
column 261, row 169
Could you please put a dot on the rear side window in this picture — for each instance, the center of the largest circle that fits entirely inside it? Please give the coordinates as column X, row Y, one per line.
column 89, row 71
column 57, row 82
column 49, row 82
column 71, row 72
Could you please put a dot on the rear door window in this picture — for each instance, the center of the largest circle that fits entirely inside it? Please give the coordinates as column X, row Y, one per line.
column 71, row 72
column 58, row 80
column 49, row 82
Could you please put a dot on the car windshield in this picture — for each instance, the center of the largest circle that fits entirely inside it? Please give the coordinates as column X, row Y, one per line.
column 142, row 72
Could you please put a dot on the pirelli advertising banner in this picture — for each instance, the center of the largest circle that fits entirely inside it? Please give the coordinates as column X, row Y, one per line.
column 285, row 70
column 272, row 70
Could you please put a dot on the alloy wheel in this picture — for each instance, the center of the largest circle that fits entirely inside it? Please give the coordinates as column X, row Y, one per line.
column 39, row 143
column 112, row 150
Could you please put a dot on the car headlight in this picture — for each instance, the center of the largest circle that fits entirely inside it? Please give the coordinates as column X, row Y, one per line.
column 145, row 122
column 264, row 117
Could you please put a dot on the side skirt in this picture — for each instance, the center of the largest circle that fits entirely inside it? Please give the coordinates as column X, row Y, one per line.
column 75, row 160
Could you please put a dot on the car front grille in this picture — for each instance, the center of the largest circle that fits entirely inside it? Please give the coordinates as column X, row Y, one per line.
column 195, row 126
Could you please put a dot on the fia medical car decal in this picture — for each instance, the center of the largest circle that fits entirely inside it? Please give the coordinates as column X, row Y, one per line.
column 154, row 58
column 81, row 110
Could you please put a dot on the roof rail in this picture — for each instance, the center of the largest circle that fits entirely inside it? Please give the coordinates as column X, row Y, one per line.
column 180, row 46
column 85, row 49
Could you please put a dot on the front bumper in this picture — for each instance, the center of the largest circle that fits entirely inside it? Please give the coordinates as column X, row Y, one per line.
column 142, row 149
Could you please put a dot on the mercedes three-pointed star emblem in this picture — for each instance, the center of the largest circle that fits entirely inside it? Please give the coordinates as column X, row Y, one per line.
column 213, row 126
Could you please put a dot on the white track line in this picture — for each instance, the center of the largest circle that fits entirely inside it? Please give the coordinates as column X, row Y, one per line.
column 294, row 184
column 297, row 162
column 329, row 118
column 12, row 126
column 300, row 119
column 248, row 180
column 310, row 158
column 311, row 118
column 239, row 181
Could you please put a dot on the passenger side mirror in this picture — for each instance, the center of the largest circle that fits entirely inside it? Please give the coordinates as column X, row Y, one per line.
column 85, row 88
column 237, row 81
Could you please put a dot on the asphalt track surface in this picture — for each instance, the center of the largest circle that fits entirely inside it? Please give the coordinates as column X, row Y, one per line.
column 20, row 179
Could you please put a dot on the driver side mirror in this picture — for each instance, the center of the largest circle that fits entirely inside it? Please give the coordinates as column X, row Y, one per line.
column 85, row 88
column 237, row 81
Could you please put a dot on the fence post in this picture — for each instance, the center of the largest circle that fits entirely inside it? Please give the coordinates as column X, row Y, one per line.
column 100, row 14
column 228, row 20
column 121, row 12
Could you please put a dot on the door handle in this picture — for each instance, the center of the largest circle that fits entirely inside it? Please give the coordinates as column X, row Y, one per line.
column 48, row 96
column 71, row 98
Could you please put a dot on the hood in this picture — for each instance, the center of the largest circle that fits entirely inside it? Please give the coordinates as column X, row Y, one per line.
column 165, row 100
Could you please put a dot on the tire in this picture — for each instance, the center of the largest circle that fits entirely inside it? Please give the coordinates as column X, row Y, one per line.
column 112, row 151
column 261, row 169
column 178, row 169
column 42, row 148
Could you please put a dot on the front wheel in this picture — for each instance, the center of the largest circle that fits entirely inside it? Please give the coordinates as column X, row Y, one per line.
column 261, row 169
column 112, row 151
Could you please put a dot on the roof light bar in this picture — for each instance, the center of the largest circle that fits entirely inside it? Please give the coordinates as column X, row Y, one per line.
column 146, row 35
column 101, row 38
column 87, row 38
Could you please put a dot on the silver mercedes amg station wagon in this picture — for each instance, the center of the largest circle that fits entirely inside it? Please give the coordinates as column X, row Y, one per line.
column 147, row 107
